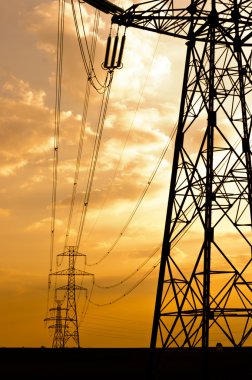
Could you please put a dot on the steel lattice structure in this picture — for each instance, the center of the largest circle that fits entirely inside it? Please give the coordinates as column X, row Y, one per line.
column 205, row 281
column 58, row 336
column 69, row 321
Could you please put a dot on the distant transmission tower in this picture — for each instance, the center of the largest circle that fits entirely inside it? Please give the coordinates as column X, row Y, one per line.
column 67, row 326
column 57, row 327
column 205, row 281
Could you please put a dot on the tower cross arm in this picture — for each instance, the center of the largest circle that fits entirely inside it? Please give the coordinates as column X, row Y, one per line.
column 75, row 272
column 104, row 6
column 79, row 272
column 160, row 17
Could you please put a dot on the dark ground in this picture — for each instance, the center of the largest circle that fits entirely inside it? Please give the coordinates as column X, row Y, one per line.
column 122, row 364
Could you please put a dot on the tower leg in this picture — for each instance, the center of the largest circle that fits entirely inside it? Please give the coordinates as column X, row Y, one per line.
column 204, row 293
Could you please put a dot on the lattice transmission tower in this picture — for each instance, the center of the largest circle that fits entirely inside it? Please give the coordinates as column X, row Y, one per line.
column 66, row 326
column 205, row 282
column 57, row 326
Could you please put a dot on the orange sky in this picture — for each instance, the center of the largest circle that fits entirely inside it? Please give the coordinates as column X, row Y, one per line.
column 142, row 112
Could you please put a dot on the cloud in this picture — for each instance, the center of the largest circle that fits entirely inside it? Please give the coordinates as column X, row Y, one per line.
column 22, row 91
column 135, row 129
column 11, row 168
column 24, row 115
column 43, row 223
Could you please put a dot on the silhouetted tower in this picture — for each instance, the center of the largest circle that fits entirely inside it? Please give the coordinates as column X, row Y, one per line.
column 70, row 319
column 56, row 317
column 205, row 282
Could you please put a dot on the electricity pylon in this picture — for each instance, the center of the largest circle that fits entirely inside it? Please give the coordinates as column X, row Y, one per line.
column 205, row 281
column 58, row 336
column 69, row 322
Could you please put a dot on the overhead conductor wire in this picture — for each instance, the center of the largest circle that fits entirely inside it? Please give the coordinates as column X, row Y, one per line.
column 60, row 46
column 130, row 290
column 173, row 244
column 118, row 238
column 139, row 200
column 89, row 65
column 105, row 91
column 127, row 137
column 98, row 138
column 107, row 85
column 84, row 114
column 151, row 177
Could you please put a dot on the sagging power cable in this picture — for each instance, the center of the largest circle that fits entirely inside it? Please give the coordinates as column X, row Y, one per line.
column 89, row 67
column 88, row 64
column 131, row 274
column 57, row 109
column 102, row 115
column 130, row 290
column 174, row 242
column 139, row 200
column 128, row 133
column 91, row 55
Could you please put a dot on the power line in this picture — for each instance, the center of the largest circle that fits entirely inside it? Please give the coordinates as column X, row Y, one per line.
column 128, row 133
column 88, row 64
column 60, row 48
column 139, row 200
column 84, row 113
column 132, row 273
column 96, row 148
column 130, row 290
column 173, row 244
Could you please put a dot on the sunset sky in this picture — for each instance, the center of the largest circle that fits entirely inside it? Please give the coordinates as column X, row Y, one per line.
column 142, row 113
